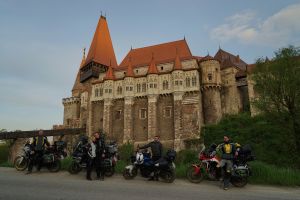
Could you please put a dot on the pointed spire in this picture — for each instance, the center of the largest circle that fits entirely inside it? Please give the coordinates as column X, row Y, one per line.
column 101, row 50
column 177, row 63
column 110, row 73
column 83, row 58
column 152, row 68
column 129, row 72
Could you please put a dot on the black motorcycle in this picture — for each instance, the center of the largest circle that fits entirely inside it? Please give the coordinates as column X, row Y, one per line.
column 50, row 159
column 80, row 156
column 164, row 167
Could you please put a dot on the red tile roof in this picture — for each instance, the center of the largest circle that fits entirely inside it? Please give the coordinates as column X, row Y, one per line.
column 152, row 68
column 101, row 49
column 177, row 63
column 227, row 58
column 165, row 52
column 129, row 71
column 110, row 74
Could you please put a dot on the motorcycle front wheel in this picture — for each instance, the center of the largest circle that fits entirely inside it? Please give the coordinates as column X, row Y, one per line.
column 194, row 177
column 238, row 181
column 127, row 175
column 74, row 168
column 21, row 163
column 54, row 166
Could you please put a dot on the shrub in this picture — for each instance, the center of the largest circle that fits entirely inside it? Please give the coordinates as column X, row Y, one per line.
column 186, row 157
column 125, row 151
column 4, row 151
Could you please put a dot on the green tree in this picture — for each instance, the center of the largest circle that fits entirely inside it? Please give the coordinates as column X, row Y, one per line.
column 277, row 83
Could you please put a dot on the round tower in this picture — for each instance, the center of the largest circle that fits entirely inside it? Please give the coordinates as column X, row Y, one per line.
column 211, row 89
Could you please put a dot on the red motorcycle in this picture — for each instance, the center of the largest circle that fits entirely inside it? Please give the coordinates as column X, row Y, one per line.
column 206, row 168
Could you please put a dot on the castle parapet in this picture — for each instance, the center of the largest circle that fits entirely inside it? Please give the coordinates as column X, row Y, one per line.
column 70, row 100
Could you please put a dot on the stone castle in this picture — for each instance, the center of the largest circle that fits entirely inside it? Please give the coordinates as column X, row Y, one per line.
column 160, row 90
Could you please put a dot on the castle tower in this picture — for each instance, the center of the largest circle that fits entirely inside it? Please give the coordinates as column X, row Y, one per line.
column 177, row 76
column 211, row 86
column 152, row 81
column 128, row 103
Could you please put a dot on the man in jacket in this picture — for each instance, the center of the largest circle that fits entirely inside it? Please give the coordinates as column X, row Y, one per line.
column 156, row 149
column 38, row 144
column 229, row 152
column 100, row 155
column 91, row 158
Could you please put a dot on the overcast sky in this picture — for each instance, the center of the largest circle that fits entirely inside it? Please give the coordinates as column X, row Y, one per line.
column 41, row 42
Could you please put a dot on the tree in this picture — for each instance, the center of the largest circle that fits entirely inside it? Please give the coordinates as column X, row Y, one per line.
column 277, row 83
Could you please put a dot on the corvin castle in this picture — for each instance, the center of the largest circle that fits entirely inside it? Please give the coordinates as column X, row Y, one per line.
column 160, row 90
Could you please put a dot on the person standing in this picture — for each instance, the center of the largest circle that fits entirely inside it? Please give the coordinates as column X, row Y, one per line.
column 229, row 152
column 91, row 158
column 100, row 155
column 39, row 144
column 156, row 150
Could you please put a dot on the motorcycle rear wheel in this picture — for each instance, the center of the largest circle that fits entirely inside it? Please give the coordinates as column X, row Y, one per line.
column 55, row 166
column 194, row 177
column 74, row 168
column 110, row 171
column 239, row 181
column 21, row 163
column 169, row 176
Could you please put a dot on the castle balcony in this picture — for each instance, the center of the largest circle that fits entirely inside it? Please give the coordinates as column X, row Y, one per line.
column 91, row 70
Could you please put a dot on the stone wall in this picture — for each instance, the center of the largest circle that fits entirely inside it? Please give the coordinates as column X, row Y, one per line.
column 165, row 117
column 97, row 116
column 211, row 105
column 118, row 120
column 140, row 126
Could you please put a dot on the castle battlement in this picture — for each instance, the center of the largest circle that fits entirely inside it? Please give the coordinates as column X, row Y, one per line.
column 71, row 100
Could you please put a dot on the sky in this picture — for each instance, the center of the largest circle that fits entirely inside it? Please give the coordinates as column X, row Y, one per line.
column 41, row 42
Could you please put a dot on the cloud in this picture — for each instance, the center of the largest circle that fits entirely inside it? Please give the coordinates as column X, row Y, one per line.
column 280, row 29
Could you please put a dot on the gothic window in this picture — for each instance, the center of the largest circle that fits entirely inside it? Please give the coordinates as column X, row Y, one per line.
column 106, row 90
column 144, row 87
column 119, row 90
column 96, row 92
column 168, row 112
column 143, row 113
column 209, row 76
column 118, row 114
column 154, row 85
column 180, row 82
column 138, row 88
column 101, row 91
column 194, row 81
column 188, row 82
column 165, row 85
column 151, row 85
column 176, row 82
column 110, row 90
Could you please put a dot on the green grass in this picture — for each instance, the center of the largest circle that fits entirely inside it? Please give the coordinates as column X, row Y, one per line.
column 272, row 175
column 6, row 164
column 65, row 163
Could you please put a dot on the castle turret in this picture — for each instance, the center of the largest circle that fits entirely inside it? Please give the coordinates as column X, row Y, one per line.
column 211, row 86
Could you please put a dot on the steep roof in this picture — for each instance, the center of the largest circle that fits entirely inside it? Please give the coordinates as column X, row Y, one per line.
column 177, row 63
column 110, row 74
column 77, row 85
column 165, row 52
column 227, row 58
column 152, row 68
column 129, row 71
column 101, row 49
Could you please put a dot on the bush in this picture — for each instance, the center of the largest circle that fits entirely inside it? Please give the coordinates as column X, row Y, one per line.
column 4, row 151
column 186, row 157
column 6, row 164
column 65, row 163
column 271, row 142
column 125, row 151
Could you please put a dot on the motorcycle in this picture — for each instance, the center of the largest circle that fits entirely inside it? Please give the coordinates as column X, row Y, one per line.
column 164, row 167
column 50, row 159
column 80, row 156
column 207, row 167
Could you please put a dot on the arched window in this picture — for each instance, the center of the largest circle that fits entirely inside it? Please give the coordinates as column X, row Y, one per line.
column 194, row 81
column 144, row 87
column 187, row 81
column 138, row 88
column 119, row 90
column 165, row 85
column 96, row 92
column 101, row 91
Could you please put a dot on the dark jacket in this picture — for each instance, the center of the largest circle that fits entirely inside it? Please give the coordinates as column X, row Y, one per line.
column 156, row 148
column 39, row 143
column 100, row 147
